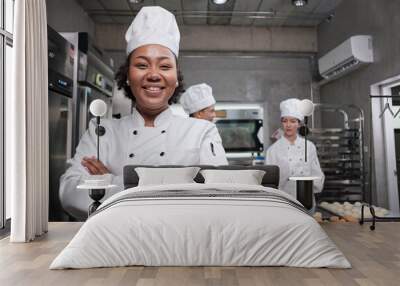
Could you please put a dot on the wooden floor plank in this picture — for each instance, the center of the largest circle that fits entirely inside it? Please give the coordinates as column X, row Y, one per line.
column 375, row 257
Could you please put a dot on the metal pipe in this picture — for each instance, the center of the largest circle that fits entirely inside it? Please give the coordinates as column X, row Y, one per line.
column 98, row 136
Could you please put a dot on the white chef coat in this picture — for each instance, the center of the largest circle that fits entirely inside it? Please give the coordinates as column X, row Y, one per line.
column 290, row 159
column 173, row 140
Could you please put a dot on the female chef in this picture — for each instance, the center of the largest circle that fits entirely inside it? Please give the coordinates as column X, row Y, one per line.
column 152, row 135
column 288, row 151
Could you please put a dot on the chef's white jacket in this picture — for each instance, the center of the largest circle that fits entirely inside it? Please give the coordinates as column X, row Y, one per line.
column 290, row 159
column 173, row 140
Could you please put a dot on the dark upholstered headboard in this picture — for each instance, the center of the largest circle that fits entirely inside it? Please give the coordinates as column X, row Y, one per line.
column 270, row 179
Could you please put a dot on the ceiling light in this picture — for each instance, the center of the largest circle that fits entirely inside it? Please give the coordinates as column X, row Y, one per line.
column 219, row 2
column 135, row 1
column 299, row 3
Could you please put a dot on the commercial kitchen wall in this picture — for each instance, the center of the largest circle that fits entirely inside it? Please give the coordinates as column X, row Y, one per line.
column 68, row 16
column 267, row 79
column 242, row 64
column 369, row 17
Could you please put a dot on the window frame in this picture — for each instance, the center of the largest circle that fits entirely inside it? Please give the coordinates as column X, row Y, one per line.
column 2, row 137
column 6, row 39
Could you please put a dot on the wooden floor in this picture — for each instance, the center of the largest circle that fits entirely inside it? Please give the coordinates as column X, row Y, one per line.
column 375, row 256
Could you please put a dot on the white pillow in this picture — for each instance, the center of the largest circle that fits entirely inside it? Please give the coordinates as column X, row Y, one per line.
column 166, row 176
column 248, row 177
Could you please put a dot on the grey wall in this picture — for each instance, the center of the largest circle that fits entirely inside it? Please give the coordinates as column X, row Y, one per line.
column 202, row 38
column 263, row 65
column 68, row 16
column 268, row 64
column 250, row 78
column 223, row 38
column 266, row 79
column 377, row 18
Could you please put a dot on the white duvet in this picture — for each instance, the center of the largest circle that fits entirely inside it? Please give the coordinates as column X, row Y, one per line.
column 188, row 231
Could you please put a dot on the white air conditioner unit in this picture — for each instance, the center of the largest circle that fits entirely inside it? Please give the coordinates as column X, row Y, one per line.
column 348, row 56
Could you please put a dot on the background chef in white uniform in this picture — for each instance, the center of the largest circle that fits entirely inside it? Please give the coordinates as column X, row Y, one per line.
column 198, row 101
column 152, row 135
column 288, row 151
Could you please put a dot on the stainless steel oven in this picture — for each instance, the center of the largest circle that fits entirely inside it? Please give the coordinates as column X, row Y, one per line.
column 61, row 62
column 241, row 130
column 93, row 76
column 240, row 127
column 241, row 135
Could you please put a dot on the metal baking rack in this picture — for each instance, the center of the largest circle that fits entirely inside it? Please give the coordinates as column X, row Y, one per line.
column 341, row 154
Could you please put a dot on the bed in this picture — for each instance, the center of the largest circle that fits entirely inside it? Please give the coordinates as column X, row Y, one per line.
column 198, row 224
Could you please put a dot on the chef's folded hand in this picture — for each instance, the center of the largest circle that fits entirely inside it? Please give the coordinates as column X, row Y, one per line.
column 94, row 166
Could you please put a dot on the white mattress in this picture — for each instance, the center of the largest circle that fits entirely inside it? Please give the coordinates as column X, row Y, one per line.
column 189, row 231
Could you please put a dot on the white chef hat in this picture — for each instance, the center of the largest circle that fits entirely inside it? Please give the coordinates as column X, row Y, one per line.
column 153, row 25
column 197, row 97
column 290, row 107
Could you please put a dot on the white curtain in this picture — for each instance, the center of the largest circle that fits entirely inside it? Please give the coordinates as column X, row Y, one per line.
column 27, row 123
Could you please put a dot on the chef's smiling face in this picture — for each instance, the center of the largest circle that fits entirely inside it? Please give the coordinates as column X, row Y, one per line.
column 290, row 125
column 152, row 76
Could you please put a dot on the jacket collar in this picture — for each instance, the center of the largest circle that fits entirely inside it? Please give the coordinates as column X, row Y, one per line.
column 161, row 119
column 299, row 140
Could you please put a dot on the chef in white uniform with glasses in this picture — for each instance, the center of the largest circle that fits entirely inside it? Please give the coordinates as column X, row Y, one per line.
column 288, row 151
column 198, row 102
column 152, row 135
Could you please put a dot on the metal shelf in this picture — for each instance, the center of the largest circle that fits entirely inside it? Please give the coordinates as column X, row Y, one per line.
column 338, row 161
column 341, row 154
column 334, row 131
column 331, row 137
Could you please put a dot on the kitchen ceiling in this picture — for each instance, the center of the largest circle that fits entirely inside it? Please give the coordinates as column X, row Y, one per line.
column 259, row 13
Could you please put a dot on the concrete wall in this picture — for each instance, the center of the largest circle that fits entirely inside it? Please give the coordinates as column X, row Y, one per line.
column 220, row 39
column 223, row 38
column 379, row 19
column 261, row 78
column 266, row 79
column 268, row 64
column 264, row 65
column 68, row 16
